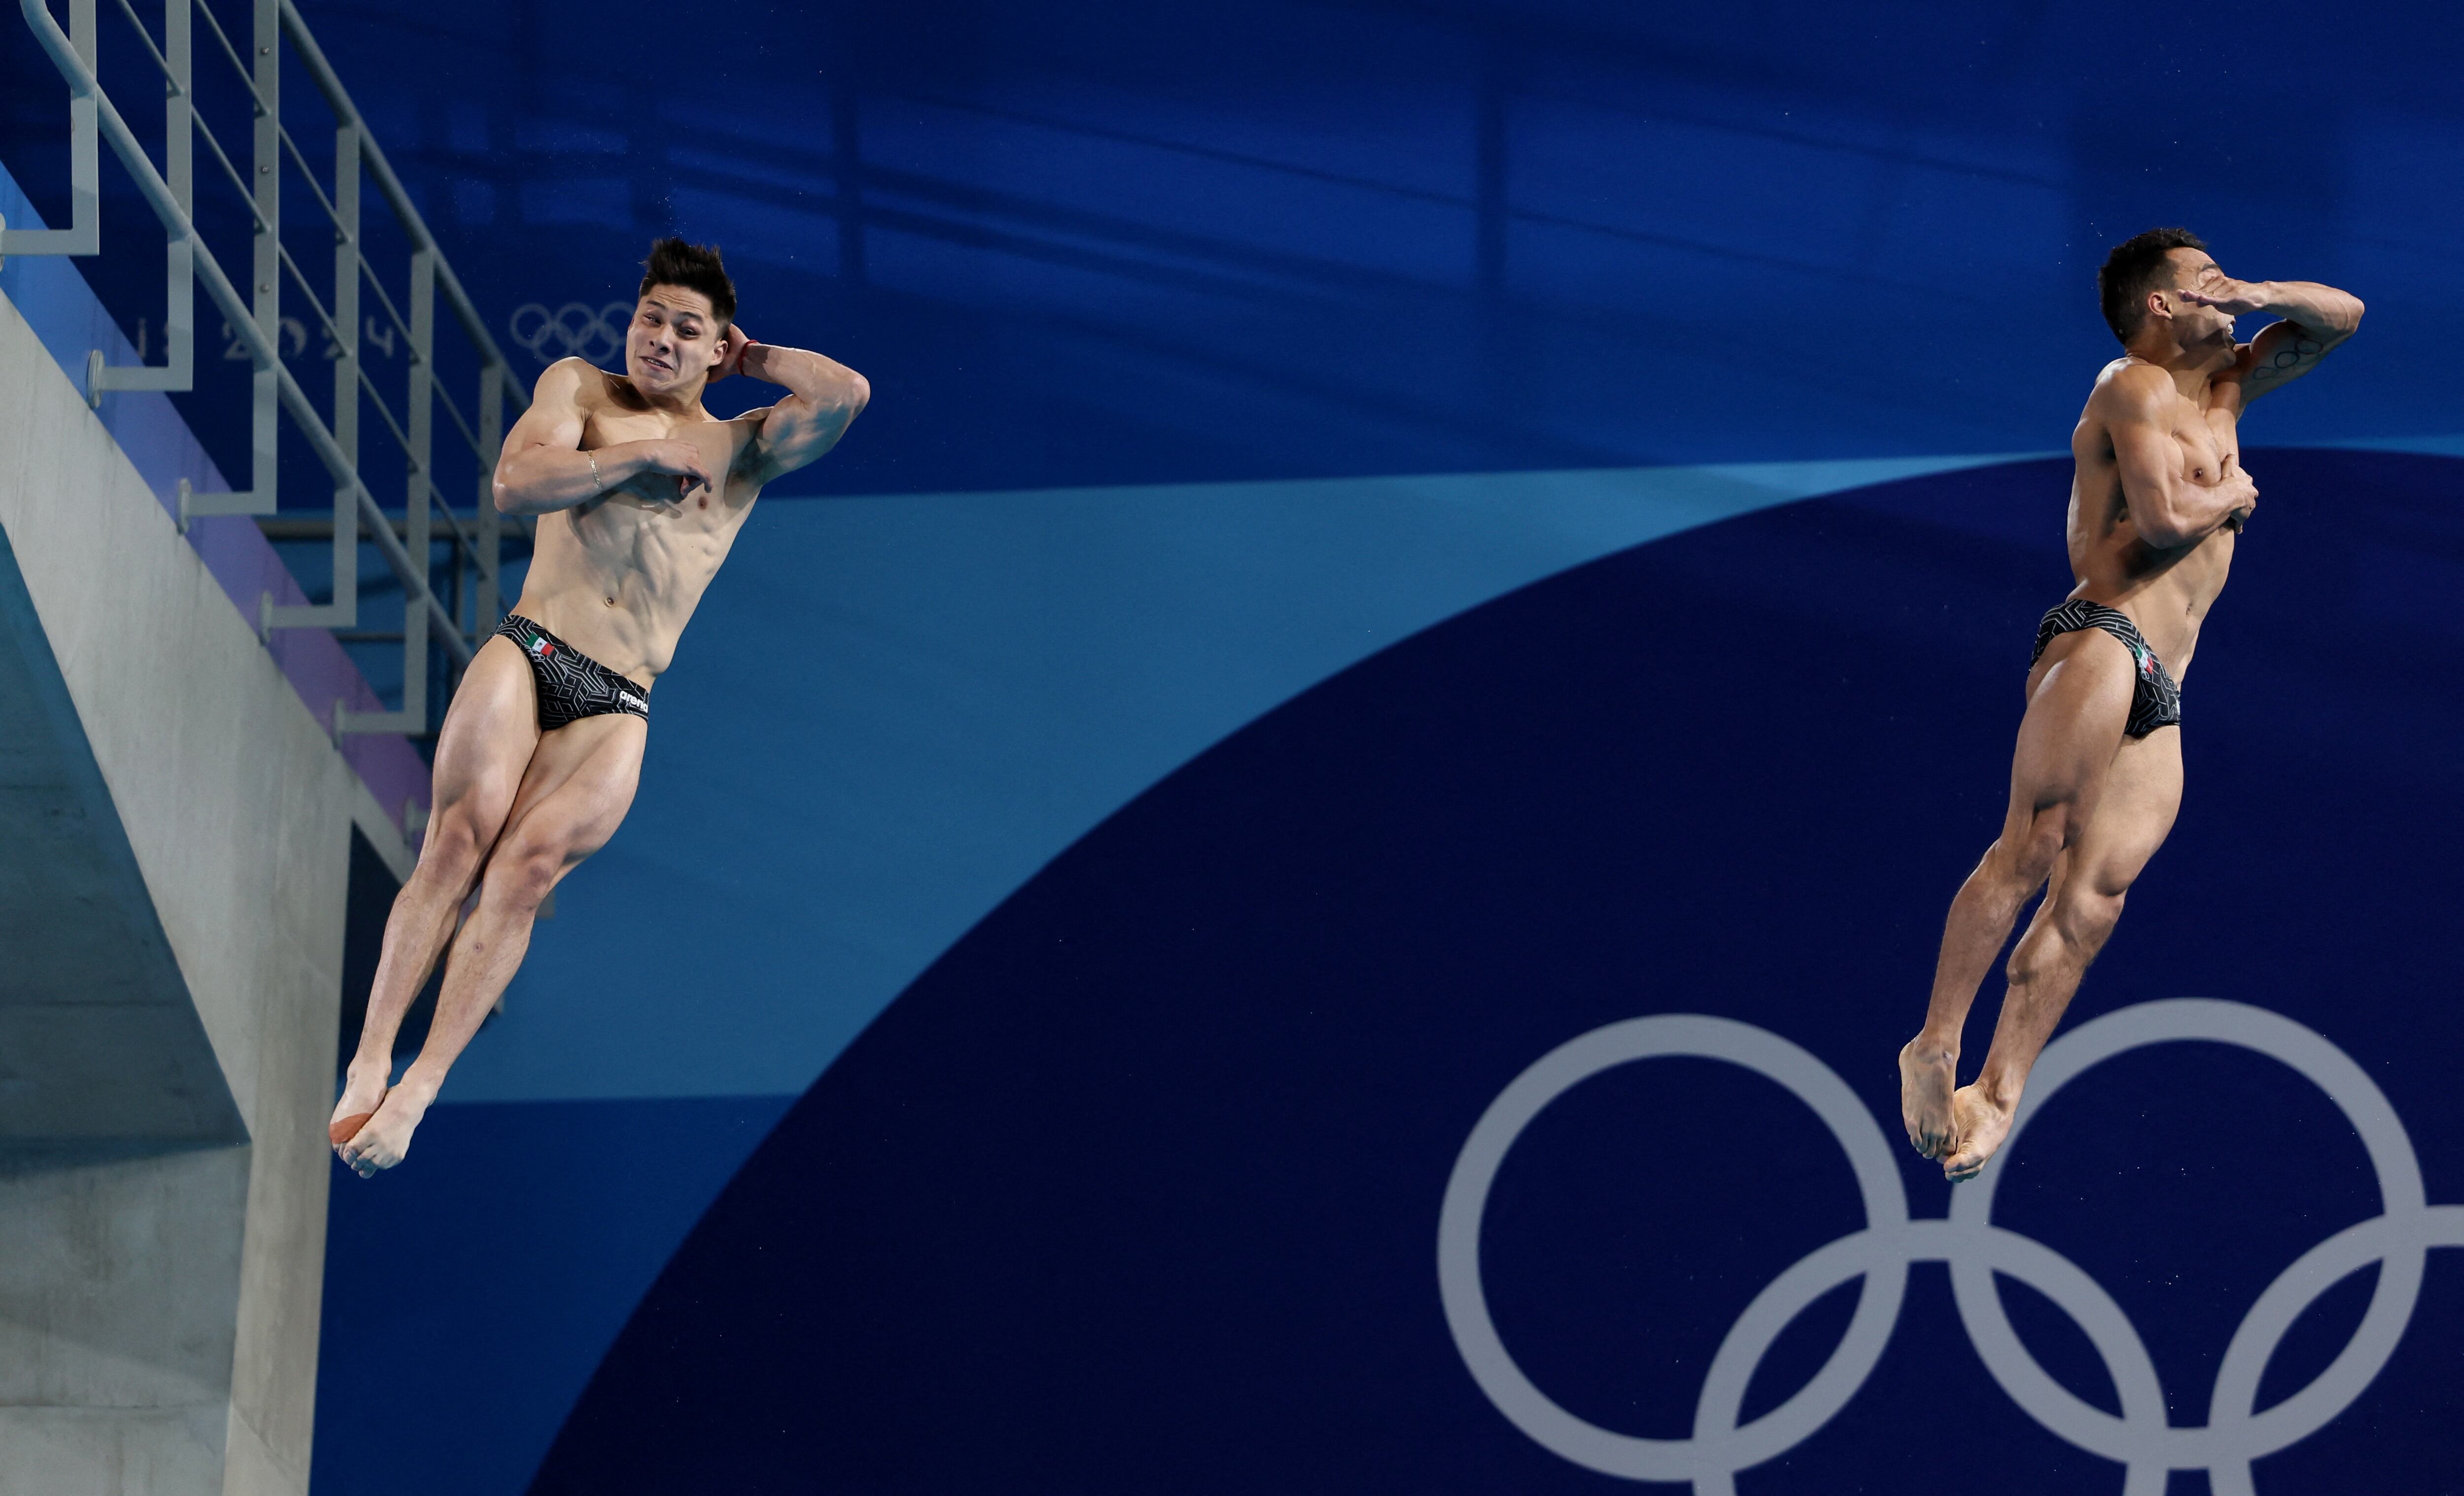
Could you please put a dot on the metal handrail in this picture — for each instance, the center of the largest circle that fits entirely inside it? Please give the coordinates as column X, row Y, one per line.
column 239, row 183
column 339, row 100
column 357, row 514
column 218, row 287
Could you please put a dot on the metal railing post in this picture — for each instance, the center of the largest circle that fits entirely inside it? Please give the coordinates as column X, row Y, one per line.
column 423, row 409
column 345, row 609
column 413, row 715
column 346, row 369
column 346, row 393
column 178, row 369
column 178, row 142
column 265, row 285
column 266, row 262
column 85, row 234
column 346, row 293
column 484, row 614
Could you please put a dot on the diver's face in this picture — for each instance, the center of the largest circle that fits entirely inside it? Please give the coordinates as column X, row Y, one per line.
column 2196, row 270
column 673, row 341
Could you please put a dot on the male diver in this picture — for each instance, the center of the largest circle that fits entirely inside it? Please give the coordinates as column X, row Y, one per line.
column 2157, row 505
column 639, row 493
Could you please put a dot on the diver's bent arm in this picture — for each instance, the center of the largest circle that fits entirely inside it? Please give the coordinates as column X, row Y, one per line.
column 543, row 478
column 2326, row 313
column 2170, row 508
column 2317, row 319
column 542, row 469
column 823, row 397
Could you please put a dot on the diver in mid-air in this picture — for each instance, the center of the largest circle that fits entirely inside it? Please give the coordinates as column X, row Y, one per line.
column 640, row 492
column 2157, row 506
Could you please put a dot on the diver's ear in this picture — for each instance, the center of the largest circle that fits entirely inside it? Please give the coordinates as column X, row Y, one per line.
column 730, row 352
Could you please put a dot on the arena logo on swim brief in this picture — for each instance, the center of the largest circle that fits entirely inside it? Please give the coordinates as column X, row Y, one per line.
column 2140, row 1439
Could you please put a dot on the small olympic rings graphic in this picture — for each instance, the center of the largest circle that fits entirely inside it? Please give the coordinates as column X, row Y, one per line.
column 2140, row 1439
column 573, row 330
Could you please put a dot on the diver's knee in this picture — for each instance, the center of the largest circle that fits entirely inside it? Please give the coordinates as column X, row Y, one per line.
column 521, row 875
column 2088, row 914
column 450, row 851
column 2027, row 856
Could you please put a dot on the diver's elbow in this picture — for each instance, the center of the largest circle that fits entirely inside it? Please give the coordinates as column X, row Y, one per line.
column 2165, row 531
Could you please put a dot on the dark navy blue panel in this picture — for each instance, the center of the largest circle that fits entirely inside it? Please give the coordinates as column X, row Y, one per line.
column 1137, row 1188
column 468, row 1299
column 1077, row 243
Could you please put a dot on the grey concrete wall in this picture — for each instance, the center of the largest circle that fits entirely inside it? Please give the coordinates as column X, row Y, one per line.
column 120, row 1287
column 159, row 1314
column 101, row 1047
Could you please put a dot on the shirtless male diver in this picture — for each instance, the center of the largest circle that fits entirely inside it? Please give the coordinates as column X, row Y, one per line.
column 2157, row 507
column 639, row 494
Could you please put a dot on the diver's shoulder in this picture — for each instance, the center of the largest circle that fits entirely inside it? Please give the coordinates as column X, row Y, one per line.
column 739, row 431
column 2132, row 373
column 2129, row 383
column 572, row 368
column 572, row 378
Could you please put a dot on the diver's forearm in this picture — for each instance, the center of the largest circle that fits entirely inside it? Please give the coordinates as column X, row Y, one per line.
column 2323, row 312
column 544, row 479
column 816, row 379
column 2175, row 510
column 2202, row 511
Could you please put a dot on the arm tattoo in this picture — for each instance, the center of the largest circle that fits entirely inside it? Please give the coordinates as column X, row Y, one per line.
column 2287, row 362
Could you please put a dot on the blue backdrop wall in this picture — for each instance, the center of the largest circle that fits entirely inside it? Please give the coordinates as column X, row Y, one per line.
column 1333, row 599
column 1138, row 1187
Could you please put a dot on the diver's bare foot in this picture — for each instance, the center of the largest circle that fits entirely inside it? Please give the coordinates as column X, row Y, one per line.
column 363, row 1087
column 1983, row 1123
column 1927, row 1072
column 385, row 1139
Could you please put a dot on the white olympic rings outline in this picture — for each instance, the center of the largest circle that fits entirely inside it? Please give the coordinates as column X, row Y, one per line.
column 2140, row 1439
column 575, row 327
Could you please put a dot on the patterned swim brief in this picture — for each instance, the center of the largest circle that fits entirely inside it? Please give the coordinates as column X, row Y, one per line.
column 571, row 684
column 2155, row 700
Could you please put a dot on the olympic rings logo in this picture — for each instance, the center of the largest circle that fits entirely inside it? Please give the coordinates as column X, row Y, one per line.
column 2140, row 1439
column 575, row 329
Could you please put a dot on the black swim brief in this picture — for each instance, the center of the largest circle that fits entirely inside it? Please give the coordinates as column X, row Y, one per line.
column 2155, row 701
column 571, row 684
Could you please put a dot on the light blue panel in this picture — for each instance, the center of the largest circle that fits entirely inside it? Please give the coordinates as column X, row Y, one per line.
column 892, row 711
column 2436, row 445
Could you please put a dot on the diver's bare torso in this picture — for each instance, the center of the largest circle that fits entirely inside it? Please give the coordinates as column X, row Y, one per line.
column 619, row 576
column 2156, row 508
column 639, row 496
column 2167, row 592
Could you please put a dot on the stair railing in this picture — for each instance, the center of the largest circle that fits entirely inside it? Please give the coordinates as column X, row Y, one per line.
column 256, row 324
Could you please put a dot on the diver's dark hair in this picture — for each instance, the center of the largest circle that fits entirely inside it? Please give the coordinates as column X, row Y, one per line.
column 695, row 267
column 2136, row 267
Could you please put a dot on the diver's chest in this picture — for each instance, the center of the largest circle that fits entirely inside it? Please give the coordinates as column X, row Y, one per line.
column 2209, row 434
column 607, row 427
column 611, row 427
column 658, row 535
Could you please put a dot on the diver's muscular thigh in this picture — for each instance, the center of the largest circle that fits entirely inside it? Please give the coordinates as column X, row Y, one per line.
column 594, row 802
column 2078, row 706
column 489, row 728
column 2141, row 795
column 585, row 770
